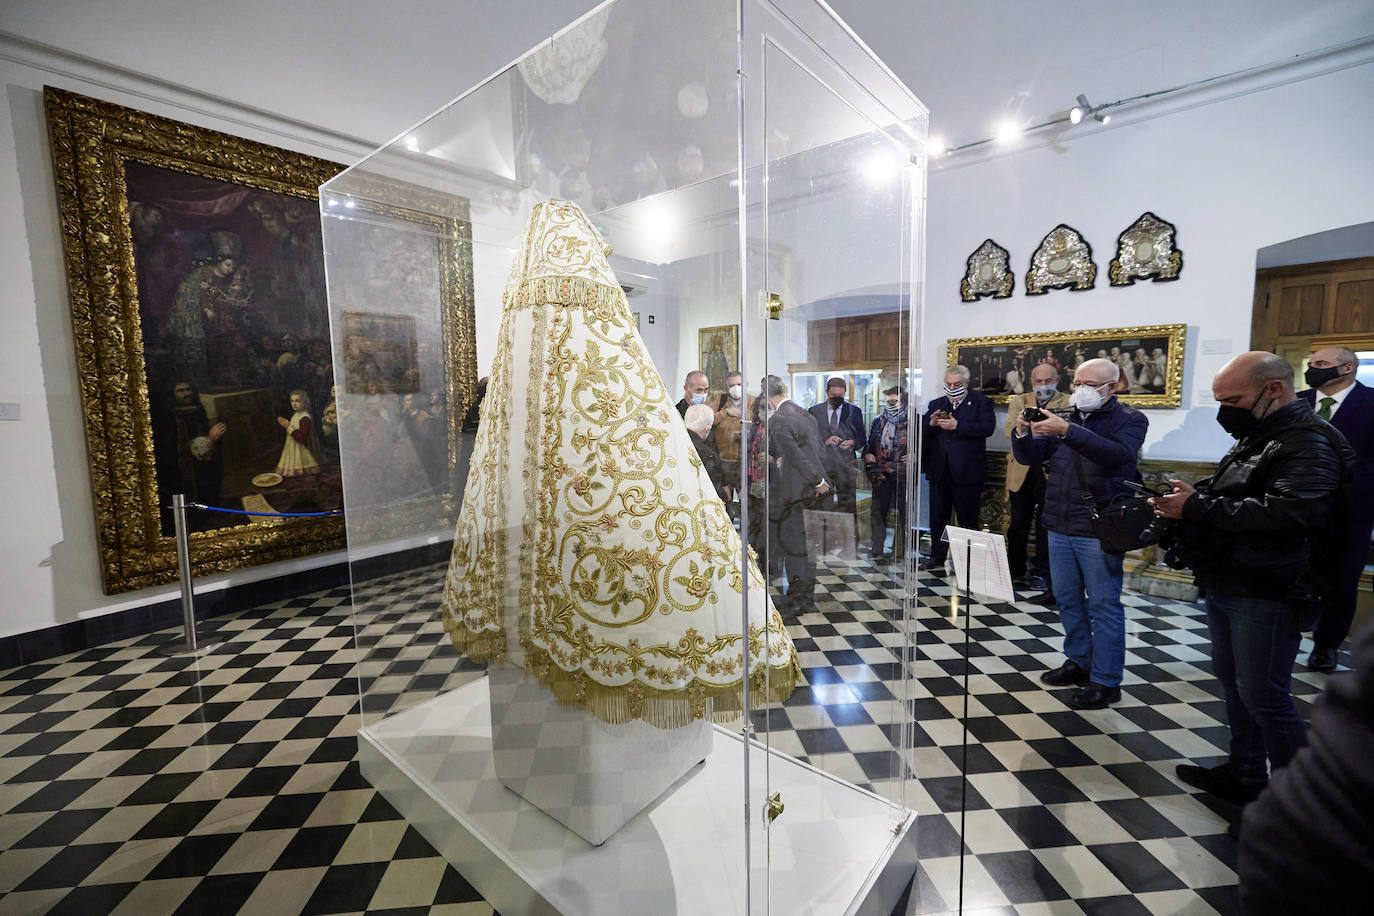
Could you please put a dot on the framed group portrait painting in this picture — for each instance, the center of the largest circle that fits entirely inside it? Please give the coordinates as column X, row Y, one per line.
column 203, row 340
column 1150, row 358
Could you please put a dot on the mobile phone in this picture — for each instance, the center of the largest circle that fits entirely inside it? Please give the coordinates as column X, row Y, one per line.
column 942, row 414
column 1031, row 415
column 1143, row 490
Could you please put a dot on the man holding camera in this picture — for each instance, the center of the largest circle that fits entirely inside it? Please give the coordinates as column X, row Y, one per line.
column 1026, row 484
column 1259, row 535
column 1088, row 456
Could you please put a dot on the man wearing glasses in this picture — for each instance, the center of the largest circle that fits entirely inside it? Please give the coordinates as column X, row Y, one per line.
column 1087, row 457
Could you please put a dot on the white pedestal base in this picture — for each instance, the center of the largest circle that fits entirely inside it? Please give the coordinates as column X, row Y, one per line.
column 588, row 775
column 836, row 849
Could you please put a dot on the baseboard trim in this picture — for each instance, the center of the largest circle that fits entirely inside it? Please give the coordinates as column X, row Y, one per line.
column 79, row 635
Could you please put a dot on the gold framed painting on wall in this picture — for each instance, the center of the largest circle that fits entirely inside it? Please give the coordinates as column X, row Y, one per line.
column 718, row 348
column 196, row 277
column 1150, row 358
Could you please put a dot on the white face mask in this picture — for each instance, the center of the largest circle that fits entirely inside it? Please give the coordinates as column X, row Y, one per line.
column 735, row 391
column 1087, row 399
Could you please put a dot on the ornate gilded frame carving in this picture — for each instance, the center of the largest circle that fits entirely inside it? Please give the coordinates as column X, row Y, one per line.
column 990, row 359
column 1146, row 250
column 1063, row 260
column 987, row 273
column 91, row 143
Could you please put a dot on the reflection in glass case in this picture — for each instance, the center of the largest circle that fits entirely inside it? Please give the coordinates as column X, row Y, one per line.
column 588, row 590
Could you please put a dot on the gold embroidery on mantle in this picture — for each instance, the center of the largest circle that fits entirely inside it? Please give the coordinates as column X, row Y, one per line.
column 630, row 592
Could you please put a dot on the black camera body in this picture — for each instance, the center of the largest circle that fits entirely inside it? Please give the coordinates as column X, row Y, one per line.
column 1031, row 415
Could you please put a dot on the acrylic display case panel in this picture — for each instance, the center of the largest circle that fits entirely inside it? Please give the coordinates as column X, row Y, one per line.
column 607, row 665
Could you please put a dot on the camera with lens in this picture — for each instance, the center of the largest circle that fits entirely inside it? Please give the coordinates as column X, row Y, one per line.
column 1157, row 530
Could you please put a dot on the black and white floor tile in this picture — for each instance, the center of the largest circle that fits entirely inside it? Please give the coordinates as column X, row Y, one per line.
column 138, row 784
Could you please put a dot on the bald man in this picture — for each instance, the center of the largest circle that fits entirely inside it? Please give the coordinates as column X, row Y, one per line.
column 1258, row 535
column 1348, row 405
column 1089, row 456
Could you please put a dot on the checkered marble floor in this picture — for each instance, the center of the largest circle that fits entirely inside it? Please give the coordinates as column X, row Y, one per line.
column 133, row 783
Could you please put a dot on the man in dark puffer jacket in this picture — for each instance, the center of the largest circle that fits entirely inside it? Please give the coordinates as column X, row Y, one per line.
column 1255, row 534
column 1100, row 442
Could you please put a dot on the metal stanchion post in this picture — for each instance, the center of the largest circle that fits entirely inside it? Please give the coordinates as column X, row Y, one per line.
column 188, row 644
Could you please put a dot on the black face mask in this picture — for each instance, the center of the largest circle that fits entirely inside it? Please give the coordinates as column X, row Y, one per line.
column 1315, row 378
column 1240, row 421
column 837, row 400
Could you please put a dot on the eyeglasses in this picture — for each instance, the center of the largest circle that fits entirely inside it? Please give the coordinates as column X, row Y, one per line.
column 1088, row 384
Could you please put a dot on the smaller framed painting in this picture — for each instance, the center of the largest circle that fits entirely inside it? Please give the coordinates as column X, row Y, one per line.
column 719, row 354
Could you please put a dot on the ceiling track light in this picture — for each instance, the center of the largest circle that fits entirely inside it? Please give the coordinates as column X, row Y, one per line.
column 1080, row 108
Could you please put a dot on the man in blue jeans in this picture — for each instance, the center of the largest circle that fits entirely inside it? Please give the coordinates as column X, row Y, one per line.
column 1086, row 458
column 1262, row 535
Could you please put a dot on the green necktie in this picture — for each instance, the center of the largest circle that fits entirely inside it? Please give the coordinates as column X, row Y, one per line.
column 1325, row 410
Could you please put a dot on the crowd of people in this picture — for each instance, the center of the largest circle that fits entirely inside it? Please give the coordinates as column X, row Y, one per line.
column 1277, row 539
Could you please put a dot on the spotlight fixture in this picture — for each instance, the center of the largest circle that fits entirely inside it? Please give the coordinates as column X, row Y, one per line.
column 1081, row 108
column 1099, row 116
column 1007, row 132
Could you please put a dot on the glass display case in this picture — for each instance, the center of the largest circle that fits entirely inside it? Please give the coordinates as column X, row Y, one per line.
column 627, row 642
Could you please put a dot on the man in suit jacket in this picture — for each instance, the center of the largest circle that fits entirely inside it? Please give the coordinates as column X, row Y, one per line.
column 841, row 426
column 796, row 482
column 1349, row 406
column 954, row 455
column 1026, row 484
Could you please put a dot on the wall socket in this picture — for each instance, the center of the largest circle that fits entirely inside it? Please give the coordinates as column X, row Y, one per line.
column 9, row 410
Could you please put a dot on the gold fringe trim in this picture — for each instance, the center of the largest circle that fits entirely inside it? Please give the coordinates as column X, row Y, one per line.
column 603, row 300
column 674, row 708
column 481, row 646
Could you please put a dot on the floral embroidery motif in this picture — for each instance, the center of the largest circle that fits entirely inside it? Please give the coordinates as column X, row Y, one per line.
column 629, row 590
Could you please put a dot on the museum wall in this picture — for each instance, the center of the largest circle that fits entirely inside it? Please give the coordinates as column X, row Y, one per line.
column 1234, row 176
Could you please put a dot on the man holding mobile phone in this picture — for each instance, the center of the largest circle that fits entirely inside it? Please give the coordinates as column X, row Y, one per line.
column 1088, row 456
column 954, row 456
column 1260, row 537
column 1026, row 483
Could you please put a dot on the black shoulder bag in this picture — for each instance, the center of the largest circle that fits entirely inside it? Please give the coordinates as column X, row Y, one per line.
column 1125, row 523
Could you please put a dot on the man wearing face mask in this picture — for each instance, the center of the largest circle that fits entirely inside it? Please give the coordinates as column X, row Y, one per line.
column 1258, row 534
column 1347, row 405
column 1087, row 456
column 729, row 419
column 694, row 389
column 954, row 456
column 886, row 457
column 1026, row 484
column 841, row 426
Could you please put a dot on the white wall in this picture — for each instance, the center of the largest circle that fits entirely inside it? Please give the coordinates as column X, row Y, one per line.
column 1234, row 177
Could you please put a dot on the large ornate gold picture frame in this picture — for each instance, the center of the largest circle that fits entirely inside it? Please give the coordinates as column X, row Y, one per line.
column 195, row 272
column 1150, row 357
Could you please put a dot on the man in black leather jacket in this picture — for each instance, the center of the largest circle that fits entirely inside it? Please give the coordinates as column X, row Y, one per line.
column 1257, row 535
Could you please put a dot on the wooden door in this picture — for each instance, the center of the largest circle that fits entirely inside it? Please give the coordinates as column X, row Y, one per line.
column 1294, row 306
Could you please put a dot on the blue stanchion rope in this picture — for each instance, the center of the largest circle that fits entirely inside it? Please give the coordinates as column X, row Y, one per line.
column 268, row 514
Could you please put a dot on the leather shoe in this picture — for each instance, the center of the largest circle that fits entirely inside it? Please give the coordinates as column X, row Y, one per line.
column 1044, row 599
column 927, row 565
column 1323, row 660
column 1037, row 583
column 1068, row 673
column 1221, row 782
column 1094, row 696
